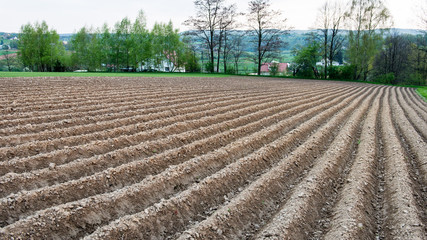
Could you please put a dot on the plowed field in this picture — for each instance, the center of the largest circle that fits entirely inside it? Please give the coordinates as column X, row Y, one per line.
column 211, row 158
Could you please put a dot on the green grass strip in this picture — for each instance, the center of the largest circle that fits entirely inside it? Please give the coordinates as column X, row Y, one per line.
column 104, row 74
column 422, row 91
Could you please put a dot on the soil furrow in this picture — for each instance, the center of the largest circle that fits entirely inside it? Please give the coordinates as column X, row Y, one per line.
column 122, row 200
column 16, row 117
column 415, row 156
column 417, row 145
column 196, row 120
column 122, row 119
column 297, row 217
column 416, row 121
column 379, row 199
column 420, row 109
column 40, row 107
column 96, row 108
column 88, row 98
column 62, row 173
column 211, row 158
column 109, row 117
column 403, row 217
column 47, row 104
column 353, row 215
column 114, row 139
column 70, row 170
column 59, row 143
column 250, row 209
column 175, row 213
column 126, row 111
column 126, row 174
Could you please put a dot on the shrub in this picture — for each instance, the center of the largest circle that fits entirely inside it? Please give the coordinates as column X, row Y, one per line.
column 274, row 69
column 334, row 72
column 230, row 70
column 341, row 72
column 387, row 78
column 415, row 79
column 208, row 66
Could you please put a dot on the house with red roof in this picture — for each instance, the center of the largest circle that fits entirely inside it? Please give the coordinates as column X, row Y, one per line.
column 266, row 68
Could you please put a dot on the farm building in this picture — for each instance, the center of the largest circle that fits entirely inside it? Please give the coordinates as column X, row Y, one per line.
column 266, row 68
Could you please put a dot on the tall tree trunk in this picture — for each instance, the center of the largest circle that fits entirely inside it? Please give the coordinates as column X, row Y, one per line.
column 259, row 52
column 218, row 57
column 325, row 71
column 224, row 54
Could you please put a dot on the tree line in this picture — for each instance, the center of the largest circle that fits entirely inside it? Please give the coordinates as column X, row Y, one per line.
column 371, row 51
column 126, row 46
column 352, row 33
column 215, row 21
column 366, row 49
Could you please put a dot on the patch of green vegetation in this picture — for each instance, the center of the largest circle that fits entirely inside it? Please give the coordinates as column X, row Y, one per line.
column 2, row 52
column 423, row 92
column 104, row 74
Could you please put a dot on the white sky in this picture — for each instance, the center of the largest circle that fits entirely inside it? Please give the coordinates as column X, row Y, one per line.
column 70, row 15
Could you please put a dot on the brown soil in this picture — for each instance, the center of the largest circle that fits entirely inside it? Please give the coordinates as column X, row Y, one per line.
column 206, row 158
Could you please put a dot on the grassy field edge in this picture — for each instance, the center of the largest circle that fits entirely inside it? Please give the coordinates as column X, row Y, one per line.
column 104, row 74
column 422, row 91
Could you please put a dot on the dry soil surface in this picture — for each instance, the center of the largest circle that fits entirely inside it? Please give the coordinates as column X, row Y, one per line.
column 211, row 158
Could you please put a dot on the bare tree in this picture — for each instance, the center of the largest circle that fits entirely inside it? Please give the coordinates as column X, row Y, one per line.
column 205, row 23
column 227, row 22
column 423, row 16
column 237, row 50
column 9, row 58
column 267, row 26
column 330, row 19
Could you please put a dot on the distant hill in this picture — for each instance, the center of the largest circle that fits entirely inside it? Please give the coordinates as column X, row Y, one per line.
column 297, row 37
column 293, row 39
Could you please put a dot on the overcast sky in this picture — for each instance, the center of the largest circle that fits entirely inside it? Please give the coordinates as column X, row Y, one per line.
column 69, row 16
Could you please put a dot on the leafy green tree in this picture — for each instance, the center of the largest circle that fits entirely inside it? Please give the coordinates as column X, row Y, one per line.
column 274, row 69
column 418, row 58
column 191, row 62
column 10, row 63
column 122, row 43
column 107, row 49
column 87, row 49
column 13, row 44
column 141, row 51
column 174, row 48
column 80, row 46
column 40, row 47
column 366, row 19
column 167, row 46
column 305, row 60
column 158, row 36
